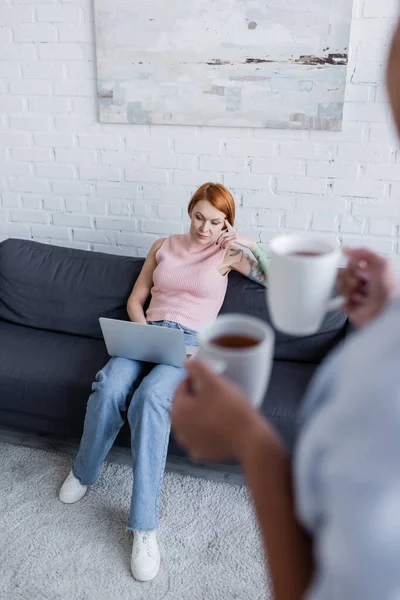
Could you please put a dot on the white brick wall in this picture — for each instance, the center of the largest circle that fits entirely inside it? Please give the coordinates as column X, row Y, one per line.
column 67, row 179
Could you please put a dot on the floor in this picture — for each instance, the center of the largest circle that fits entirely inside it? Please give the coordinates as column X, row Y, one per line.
column 209, row 539
column 226, row 474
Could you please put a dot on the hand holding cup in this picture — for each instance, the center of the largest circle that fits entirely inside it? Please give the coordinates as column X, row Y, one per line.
column 367, row 284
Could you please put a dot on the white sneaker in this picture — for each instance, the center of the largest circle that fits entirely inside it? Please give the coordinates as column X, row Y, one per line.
column 72, row 490
column 145, row 561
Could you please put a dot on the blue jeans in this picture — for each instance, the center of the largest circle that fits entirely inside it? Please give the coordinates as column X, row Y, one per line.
column 126, row 388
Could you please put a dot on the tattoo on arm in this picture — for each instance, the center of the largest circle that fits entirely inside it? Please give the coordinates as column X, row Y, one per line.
column 234, row 252
column 262, row 258
column 255, row 272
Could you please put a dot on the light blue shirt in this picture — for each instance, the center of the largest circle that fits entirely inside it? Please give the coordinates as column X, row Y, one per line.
column 347, row 466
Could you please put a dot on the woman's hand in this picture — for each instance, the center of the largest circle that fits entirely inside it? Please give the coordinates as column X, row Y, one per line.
column 216, row 421
column 367, row 283
column 231, row 236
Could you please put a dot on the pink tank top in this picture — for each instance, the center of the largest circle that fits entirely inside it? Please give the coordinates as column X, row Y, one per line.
column 187, row 287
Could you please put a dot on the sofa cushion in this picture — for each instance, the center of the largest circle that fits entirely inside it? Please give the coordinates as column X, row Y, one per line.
column 46, row 377
column 63, row 289
column 286, row 389
column 287, row 386
column 47, row 374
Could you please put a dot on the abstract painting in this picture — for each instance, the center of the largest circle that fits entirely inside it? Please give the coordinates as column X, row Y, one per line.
column 230, row 63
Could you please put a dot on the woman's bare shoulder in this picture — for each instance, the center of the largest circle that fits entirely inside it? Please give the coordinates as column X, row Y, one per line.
column 157, row 245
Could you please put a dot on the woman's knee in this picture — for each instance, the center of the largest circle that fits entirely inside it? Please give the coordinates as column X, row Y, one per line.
column 114, row 382
column 153, row 395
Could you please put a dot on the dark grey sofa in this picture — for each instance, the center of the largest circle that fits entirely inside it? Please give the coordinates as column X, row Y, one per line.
column 51, row 346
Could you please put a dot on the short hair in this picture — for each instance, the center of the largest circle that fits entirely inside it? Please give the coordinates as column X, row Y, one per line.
column 217, row 195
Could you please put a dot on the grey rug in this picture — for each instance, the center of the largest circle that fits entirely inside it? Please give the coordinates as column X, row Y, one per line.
column 210, row 543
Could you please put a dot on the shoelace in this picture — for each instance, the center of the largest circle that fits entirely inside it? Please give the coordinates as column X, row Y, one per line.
column 145, row 539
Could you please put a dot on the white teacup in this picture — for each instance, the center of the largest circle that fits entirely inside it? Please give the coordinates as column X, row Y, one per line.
column 301, row 276
column 249, row 367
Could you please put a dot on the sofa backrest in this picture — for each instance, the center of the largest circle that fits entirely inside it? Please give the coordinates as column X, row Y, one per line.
column 67, row 290
column 246, row 296
column 63, row 289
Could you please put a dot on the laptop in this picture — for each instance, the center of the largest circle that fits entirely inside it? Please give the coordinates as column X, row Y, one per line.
column 148, row 343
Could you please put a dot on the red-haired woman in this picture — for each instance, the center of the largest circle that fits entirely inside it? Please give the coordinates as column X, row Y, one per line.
column 187, row 278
